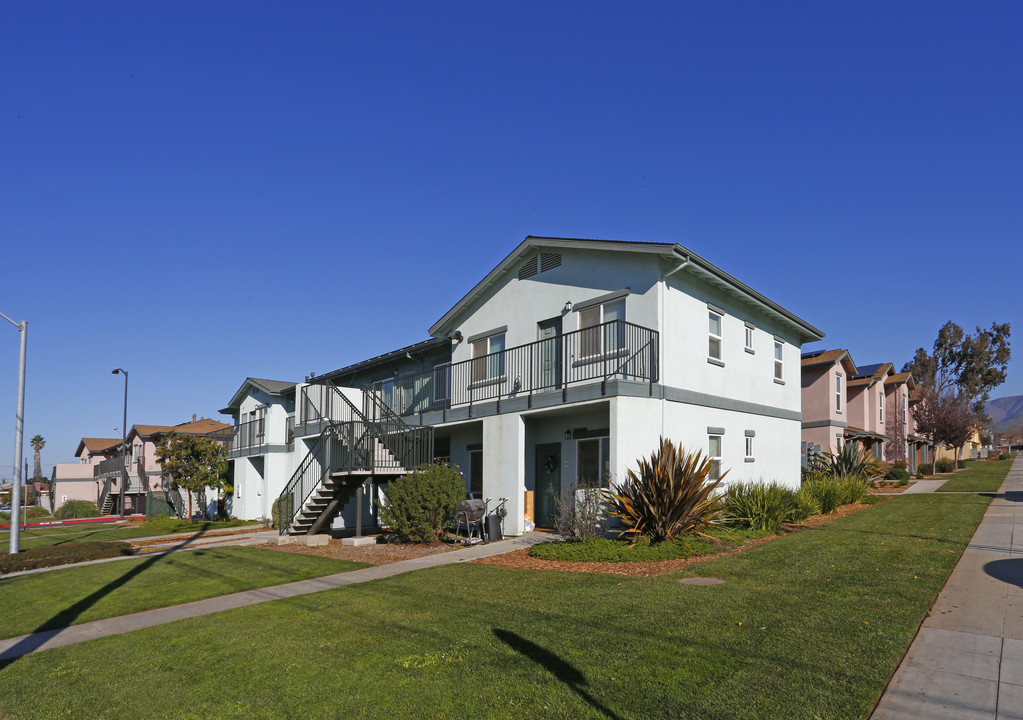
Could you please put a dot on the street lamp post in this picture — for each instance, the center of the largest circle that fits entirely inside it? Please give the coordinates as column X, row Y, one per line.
column 124, row 440
column 19, row 430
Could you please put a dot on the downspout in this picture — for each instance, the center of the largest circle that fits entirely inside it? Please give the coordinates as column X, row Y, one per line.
column 684, row 261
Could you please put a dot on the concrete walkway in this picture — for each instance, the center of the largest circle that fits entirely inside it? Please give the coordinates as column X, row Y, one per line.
column 967, row 660
column 12, row 648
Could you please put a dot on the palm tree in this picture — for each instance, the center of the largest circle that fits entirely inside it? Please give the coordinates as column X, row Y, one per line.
column 37, row 444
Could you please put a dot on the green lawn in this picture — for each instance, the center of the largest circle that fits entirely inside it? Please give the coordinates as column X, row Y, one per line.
column 809, row 625
column 986, row 476
column 58, row 534
column 59, row 598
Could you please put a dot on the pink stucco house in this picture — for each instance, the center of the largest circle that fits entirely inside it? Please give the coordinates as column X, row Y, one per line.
column 825, row 375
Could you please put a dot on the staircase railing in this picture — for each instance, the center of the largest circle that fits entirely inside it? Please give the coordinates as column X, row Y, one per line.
column 411, row 445
column 351, row 442
column 104, row 493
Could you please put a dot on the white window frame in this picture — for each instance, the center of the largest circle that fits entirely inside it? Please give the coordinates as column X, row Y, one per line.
column 779, row 361
column 609, row 340
column 715, row 469
column 749, row 338
column 604, row 453
column 838, row 393
column 485, row 368
column 715, row 338
column 880, row 406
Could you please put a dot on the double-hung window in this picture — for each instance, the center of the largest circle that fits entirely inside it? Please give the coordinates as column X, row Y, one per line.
column 880, row 406
column 749, row 446
column 488, row 358
column 714, row 453
column 838, row 392
column 749, row 338
column 603, row 328
column 714, row 335
column 778, row 365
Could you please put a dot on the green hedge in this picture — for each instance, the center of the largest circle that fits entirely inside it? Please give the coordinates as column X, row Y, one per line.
column 77, row 509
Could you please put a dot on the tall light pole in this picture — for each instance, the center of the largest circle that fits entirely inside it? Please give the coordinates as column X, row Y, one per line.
column 124, row 440
column 19, row 430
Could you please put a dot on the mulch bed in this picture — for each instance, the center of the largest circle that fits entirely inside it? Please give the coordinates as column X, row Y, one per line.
column 383, row 554
column 390, row 553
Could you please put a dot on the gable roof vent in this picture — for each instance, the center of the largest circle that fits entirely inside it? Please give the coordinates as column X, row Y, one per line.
column 549, row 261
column 529, row 269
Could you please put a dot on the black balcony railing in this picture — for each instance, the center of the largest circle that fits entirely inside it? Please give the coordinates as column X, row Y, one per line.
column 615, row 349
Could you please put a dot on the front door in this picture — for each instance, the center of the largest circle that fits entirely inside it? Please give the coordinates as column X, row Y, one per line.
column 549, row 354
column 548, row 483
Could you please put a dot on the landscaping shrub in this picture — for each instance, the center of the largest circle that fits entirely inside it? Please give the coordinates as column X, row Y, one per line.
column 762, row 506
column 827, row 492
column 5, row 518
column 919, row 475
column 902, row 482
column 673, row 494
column 806, row 506
column 420, row 503
column 53, row 555
column 77, row 509
column 961, row 464
column 902, row 464
column 575, row 518
column 850, row 460
column 37, row 512
column 897, row 473
column 1003, row 456
column 925, row 469
column 283, row 502
column 943, row 466
column 853, row 489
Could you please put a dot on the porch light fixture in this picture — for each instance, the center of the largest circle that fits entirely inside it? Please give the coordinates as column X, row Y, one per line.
column 568, row 306
column 568, row 434
column 124, row 439
column 19, row 431
column 456, row 336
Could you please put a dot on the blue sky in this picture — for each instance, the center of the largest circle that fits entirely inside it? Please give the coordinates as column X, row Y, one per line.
column 198, row 192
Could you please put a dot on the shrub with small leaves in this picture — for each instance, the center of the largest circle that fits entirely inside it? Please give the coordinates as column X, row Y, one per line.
column 77, row 509
column 925, row 469
column 897, row 473
column 420, row 504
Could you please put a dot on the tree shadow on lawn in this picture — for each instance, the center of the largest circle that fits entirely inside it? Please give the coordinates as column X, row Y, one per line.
column 555, row 665
column 63, row 619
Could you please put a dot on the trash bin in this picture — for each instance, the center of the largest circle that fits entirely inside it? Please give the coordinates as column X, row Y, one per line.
column 494, row 527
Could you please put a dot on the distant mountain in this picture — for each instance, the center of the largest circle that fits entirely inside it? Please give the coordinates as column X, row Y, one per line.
column 1007, row 412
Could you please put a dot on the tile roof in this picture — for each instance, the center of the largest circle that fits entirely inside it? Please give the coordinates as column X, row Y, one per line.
column 821, row 357
column 99, row 444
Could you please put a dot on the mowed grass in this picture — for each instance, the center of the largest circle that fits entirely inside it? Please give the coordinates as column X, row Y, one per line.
column 808, row 625
column 58, row 534
column 986, row 476
column 59, row 598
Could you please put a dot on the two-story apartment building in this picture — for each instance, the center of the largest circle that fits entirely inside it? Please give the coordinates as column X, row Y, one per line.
column 559, row 369
column 866, row 403
column 77, row 480
column 825, row 375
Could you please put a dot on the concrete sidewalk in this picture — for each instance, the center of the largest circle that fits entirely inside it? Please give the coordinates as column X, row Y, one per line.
column 12, row 648
column 967, row 660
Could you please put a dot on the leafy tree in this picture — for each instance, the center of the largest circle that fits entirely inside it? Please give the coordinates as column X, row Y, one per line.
column 192, row 462
column 970, row 364
column 946, row 417
column 38, row 443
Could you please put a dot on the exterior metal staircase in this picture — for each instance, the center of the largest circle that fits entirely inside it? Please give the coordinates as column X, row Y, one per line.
column 350, row 451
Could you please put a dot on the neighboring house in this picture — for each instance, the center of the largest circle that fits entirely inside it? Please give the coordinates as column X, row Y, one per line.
column 77, row 480
column 903, row 442
column 867, row 402
column 143, row 470
column 555, row 373
column 261, row 444
column 825, row 375
column 970, row 449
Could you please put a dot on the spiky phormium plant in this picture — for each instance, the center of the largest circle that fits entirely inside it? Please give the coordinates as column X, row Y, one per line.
column 672, row 494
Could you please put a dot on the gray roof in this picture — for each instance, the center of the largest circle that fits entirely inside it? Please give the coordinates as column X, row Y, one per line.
column 381, row 359
column 272, row 387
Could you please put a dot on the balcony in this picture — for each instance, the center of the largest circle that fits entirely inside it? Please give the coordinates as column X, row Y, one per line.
column 615, row 350
column 252, row 438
